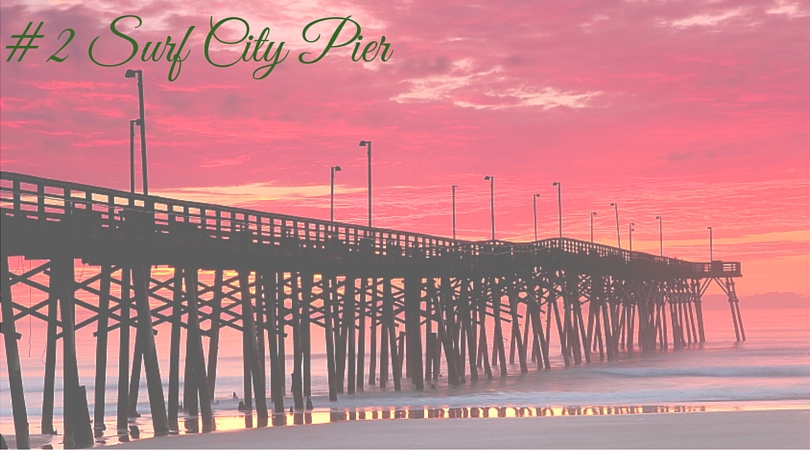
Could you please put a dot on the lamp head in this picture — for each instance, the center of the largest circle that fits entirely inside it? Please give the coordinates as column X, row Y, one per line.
column 130, row 73
column 536, row 195
column 658, row 217
column 556, row 183
column 455, row 186
column 488, row 178
column 364, row 143
column 613, row 204
column 708, row 228
column 336, row 168
column 593, row 213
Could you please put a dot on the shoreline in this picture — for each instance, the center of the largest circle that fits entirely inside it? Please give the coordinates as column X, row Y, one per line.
column 740, row 429
column 231, row 426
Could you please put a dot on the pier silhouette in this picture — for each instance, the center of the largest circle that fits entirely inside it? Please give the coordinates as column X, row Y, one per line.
column 420, row 302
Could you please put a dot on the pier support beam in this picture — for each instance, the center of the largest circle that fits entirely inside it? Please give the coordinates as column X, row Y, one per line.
column 250, row 349
column 198, row 360
column 388, row 317
column 413, row 289
column 329, row 294
column 154, row 384
column 76, row 413
column 271, row 298
column 50, row 361
column 101, row 351
column 174, row 351
column 15, row 383
column 122, row 406
column 213, row 344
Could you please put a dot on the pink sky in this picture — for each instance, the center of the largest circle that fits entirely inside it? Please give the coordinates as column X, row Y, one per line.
column 697, row 111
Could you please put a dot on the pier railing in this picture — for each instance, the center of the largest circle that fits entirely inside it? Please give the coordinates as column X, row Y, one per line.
column 118, row 214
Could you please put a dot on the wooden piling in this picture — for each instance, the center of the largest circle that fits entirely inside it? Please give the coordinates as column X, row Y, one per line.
column 690, row 320
column 76, row 414
column 297, row 378
column 101, row 350
column 361, row 335
column 174, row 351
column 429, row 343
column 154, row 384
column 258, row 298
column 482, row 349
column 281, row 316
column 328, row 294
column 135, row 380
column 413, row 289
column 564, row 349
column 374, row 315
column 15, row 383
column 306, row 340
column 190, row 386
column 50, row 359
column 696, row 298
column 383, row 352
column 388, row 317
column 496, row 292
column 445, row 334
column 122, row 405
column 213, row 344
column 271, row 293
column 401, row 353
column 249, row 330
column 348, row 332
column 340, row 335
column 513, row 310
column 195, row 338
column 469, row 322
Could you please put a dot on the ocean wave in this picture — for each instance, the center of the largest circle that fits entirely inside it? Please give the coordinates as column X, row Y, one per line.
column 791, row 371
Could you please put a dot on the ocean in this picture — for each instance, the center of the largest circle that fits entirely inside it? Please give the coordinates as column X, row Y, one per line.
column 771, row 370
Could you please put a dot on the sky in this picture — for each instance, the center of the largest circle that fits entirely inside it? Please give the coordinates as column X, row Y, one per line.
column 696, row 111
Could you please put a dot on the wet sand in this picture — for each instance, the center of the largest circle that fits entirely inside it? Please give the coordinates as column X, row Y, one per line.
column 744, row 429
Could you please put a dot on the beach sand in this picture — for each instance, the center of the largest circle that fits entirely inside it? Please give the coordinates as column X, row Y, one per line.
column 743, row 429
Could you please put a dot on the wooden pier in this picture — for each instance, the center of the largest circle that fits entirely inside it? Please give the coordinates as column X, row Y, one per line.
column 419, row 302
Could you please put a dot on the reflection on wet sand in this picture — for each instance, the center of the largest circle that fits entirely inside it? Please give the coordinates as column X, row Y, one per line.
column 322, row 416
column 192, row 425
column 490, row 412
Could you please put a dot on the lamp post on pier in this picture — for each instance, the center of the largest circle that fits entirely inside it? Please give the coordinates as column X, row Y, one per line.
column 130, row 73
column 454, row 211
column 631, row 230
column 660, row 234
column 593, row 213
column 132, row 124
column 368, row 144
column 332, row 171
column 711, row 245
column 491, row 202
column 559, row 204
column 534, row 209
column 618, row 233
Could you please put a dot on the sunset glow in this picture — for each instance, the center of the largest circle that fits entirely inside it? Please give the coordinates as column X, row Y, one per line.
column 695, row 111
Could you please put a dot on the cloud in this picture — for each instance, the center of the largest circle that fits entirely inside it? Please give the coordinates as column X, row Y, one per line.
column 788, row 8
column 223, row 162
column 468, row 88
column 706, row 20
column 249, row 194
column 694, row 110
